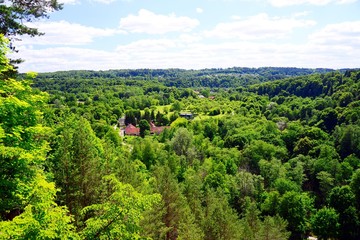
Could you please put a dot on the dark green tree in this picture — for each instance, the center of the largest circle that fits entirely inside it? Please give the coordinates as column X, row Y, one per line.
column 77, row 165
column 14, row 15
column 295, row 207
column 13, row 18
column 342, row 199
column 325, row 223
column 355, row 187
column 149, row 153
column 147, row 115
column 348, row 140
column 144, row 128
column 252, row 228
column 176, row 106
column 303, row 146
column 221, row 221
column 131, row 117
column 172, row 218
column 329, row 118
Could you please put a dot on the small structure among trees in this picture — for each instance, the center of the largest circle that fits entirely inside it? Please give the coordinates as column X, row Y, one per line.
column 187, row 115
column 132, row 130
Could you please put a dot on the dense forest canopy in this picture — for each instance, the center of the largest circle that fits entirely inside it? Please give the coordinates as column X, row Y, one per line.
column 215, row 77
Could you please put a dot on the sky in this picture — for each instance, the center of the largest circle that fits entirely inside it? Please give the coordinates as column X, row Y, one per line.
column 195, row 34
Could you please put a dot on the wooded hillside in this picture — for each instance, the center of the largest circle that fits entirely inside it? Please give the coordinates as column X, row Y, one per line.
column 260, row 159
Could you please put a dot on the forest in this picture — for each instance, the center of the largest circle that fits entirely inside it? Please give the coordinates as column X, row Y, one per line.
column 243, row 153
column 277, row 159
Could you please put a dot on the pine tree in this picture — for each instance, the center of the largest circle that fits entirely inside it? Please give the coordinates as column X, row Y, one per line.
column 77, row 165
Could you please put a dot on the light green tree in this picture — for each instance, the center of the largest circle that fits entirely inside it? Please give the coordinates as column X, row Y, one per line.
column 120, row 215
column 42, row 218
column 181, row 141
column 27, row 203
column 23, row 144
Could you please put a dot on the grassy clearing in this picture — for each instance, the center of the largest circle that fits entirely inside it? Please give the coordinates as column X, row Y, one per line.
column 162, row 108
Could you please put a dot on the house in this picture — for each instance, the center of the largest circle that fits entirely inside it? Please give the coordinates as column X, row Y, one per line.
column 187, row 115
column 132, row 130
column 156, row 130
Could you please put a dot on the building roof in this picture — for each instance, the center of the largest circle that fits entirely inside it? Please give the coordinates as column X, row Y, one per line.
column 132, row 130
column 186, row 114
column 158, row 130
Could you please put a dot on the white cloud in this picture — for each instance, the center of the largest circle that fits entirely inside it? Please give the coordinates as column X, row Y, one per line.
column 181, row 53
column 199, row 10
column 104, row 1
column 153, row 45
column 151, row 23
column 190, row 38
column 346, row 1
column 99, row 1
column 301, row 14
column 65, row 58
column 346, row 34
column 285, row 3
column 69, row 1
column 65, row 33
column 260, row 26
column 249, row 42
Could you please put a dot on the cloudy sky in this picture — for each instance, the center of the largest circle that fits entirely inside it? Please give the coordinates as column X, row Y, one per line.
column 195, row 34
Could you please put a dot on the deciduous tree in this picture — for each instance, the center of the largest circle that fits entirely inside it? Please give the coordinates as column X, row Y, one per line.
column 23, row 144
column 325, row 223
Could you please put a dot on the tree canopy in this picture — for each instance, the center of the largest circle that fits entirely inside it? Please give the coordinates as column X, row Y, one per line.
column 15, row 13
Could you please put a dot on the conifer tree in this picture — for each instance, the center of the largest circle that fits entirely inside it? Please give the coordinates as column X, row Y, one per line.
column 77, row 165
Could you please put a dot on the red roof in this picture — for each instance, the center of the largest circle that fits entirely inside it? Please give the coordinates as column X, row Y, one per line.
column 156, row 130
column 132, row 130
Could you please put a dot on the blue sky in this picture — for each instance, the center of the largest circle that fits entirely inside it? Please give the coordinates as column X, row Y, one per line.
column 195, row 34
